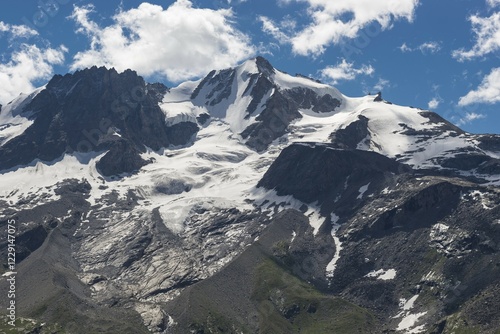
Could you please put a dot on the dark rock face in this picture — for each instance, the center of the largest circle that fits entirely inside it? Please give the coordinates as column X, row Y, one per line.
column 156, row 90
column 434, row 234
column 220, row 86
column 465, row 161
column 203, row 119
column 489, row 142
column 317, row 172
column 280, row 110
column 30, row 241
column 83, row 111
column 445, row 125
column 378, row 98
column 202, row 84
column 259, row 89
column 181, row 134
column 264, row 66
column 272, row 122
column 308, row 99
column 352, row 135
column 491, row 167
column 121, row 158
column 420, row 209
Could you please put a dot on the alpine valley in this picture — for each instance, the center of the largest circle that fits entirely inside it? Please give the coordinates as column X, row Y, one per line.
column 251, row 201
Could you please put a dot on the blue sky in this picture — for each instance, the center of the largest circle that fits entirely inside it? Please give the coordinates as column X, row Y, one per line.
column 440, row 55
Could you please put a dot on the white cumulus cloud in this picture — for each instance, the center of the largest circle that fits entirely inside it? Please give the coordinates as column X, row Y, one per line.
column 179, row 42
column 345, row 71
column 469, row 117
column 27, row 65
column 333, row 21
column 17, row 31
column 271, row 28
column 493, row 3
column 487, row 92
column 434, row 103
column 487, row 31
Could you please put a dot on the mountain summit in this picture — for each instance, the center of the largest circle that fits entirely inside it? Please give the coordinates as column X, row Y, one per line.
column 258, row 101
column 249, row 201
column 91, row 110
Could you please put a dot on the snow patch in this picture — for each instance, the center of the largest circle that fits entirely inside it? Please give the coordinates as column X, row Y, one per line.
column 334, row 218
column 408, row 321
column 181, row 112
column 315, row 220
column 332, row 265
column 408, row 305
column 382, row 274
column 362, row 190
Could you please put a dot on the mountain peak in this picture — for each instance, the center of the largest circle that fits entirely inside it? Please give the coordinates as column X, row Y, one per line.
column 264, row 66
column 94, row 110
column 98, row 77
column 256, row 100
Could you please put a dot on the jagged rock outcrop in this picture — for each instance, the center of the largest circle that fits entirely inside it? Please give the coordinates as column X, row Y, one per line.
column 122, row 157
column 321, row 173
column 82, row 112
column 271, row 123
column 352, row 135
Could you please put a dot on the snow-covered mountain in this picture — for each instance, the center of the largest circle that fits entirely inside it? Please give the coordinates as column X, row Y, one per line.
column 134, row 199
column 261, row 104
